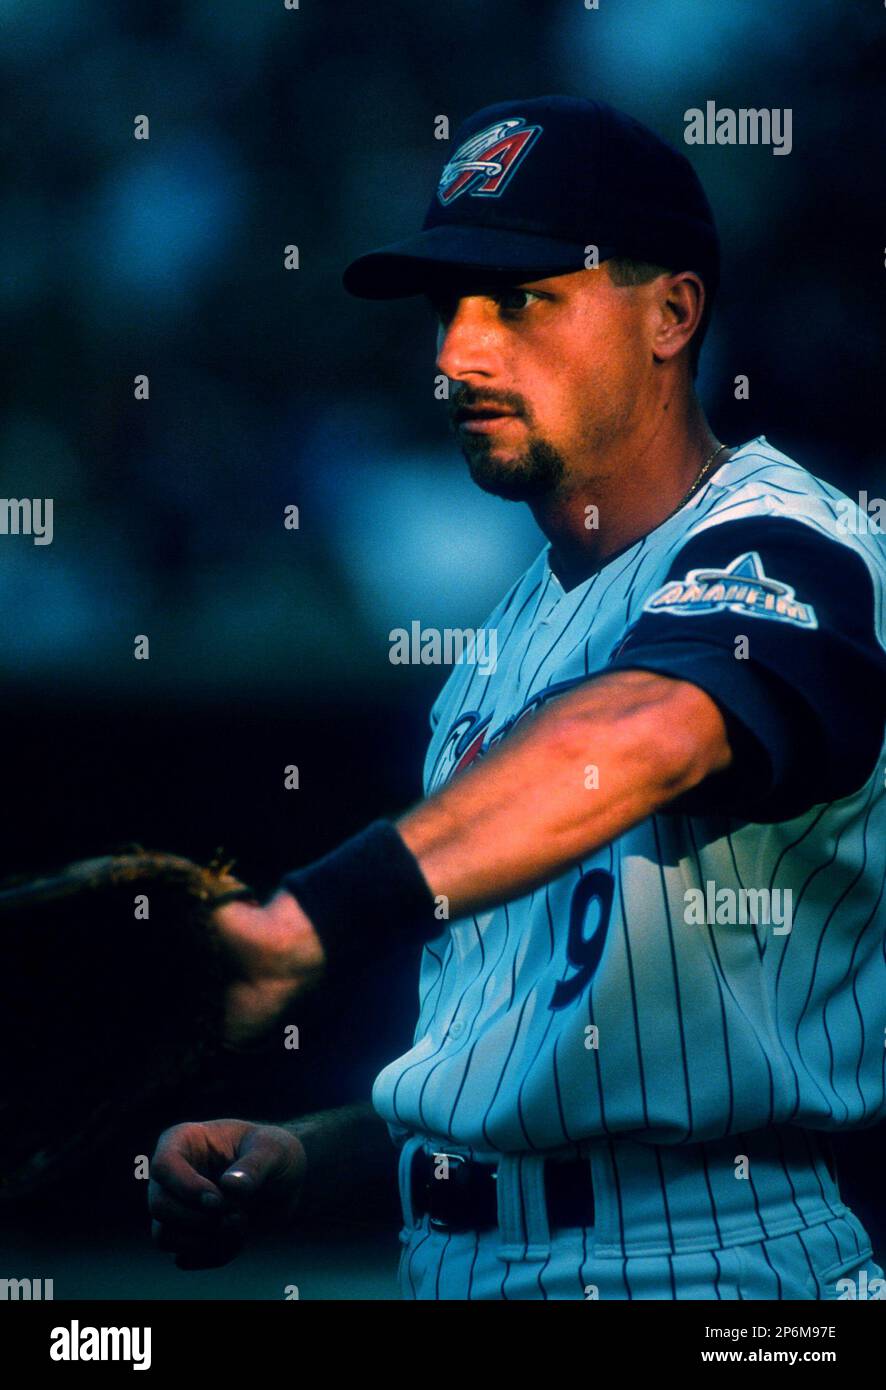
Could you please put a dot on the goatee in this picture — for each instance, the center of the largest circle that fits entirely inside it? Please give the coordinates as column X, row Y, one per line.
column 536, row 474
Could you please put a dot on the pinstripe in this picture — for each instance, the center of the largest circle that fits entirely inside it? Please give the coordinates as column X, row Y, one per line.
column 862, row 1048
column 629, row 596
column 814, row 1161
column 664, row 1198
column 717, row 1275
column 780, row 966
column 697, row 518
column 723, row 1020
column 740, row 505
column 473, row 1265
column 550, row 920
column 473, row 1045
column 813, row 825
column 533, row 683
column 816, row 1280
column 478, row 1011
column 522, row 1198
column 706, row 1169
column 450, row 1129
column 409, row 1263
column 676, row 977
column 530, row 628
column 779, row 1287
column 544, row 1035
column 558, row 1095
column 638, row 561
column 582, row 1278
column 847, row 890
column 405, row 1072
column 851, row 1228
column 443, row 1250
column 501, row 642
column 447, row 962
column 820, row 868
column 632, row 989
column 595, row 1050
column 616, row 1182
column 840, row 1255
column 738, row 877
column 613, row 581
column 504, row 607
column 837, row 1250
column 567, row 657
column 541, row 1042
column 757, row 1212
column 501, row 1077
column 787, row 1173
column 427, row 1005
column 399, row 1118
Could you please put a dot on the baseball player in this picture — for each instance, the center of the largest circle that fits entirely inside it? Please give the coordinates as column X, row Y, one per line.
column 649, row 865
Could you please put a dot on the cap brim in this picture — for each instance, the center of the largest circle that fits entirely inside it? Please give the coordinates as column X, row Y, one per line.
column 414, row 266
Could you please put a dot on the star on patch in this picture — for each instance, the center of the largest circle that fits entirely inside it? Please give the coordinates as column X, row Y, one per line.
column 741, row 587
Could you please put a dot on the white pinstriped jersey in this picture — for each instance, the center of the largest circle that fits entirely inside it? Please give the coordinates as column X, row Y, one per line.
column 592, row 1006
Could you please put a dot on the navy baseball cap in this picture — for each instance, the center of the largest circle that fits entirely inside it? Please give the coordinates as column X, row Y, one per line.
column 531, row 185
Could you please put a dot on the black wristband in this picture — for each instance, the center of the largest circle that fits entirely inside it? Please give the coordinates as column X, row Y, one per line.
column 366, row 898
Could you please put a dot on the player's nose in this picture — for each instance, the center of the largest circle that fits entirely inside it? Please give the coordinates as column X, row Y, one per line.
column 467, row 343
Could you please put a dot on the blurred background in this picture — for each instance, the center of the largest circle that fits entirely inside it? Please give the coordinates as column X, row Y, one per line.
column 270, row 388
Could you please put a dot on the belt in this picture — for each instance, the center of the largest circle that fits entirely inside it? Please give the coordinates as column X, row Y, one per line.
column 459, row 1194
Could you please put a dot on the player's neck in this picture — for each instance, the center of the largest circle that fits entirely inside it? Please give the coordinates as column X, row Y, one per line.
column 631, row 488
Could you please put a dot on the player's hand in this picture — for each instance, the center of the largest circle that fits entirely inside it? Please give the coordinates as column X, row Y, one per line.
column 277, row 956
column 214, row 1183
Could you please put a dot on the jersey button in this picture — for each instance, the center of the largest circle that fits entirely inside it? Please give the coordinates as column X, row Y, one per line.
column 456, row 1029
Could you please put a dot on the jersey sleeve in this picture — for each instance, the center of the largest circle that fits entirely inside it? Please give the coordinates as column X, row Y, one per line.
column 776, row 622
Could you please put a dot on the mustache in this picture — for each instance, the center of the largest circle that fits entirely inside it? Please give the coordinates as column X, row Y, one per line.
column 479, row 398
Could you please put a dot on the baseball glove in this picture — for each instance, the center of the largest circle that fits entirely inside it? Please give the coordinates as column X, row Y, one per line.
column 111, row 992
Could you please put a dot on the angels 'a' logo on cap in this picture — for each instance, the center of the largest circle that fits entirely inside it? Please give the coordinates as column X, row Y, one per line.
column 485, row 162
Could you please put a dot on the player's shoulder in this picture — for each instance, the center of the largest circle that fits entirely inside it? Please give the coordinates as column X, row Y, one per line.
column 759, row 481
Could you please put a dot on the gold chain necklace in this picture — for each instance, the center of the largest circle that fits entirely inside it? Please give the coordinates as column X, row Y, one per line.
column 702, row 474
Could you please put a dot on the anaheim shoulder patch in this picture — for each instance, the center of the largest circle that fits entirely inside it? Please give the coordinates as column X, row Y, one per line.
column 741, row 587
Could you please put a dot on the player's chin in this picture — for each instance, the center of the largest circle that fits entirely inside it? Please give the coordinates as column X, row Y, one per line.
column 507, row 475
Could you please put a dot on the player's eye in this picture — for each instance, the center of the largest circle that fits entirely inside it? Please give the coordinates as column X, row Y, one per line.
column 514, row 301
column 511, row 302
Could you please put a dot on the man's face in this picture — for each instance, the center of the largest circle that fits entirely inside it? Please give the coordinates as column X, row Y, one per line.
column 544, row 377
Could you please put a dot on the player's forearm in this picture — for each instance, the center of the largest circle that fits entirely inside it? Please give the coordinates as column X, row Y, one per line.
column 351, row 1164
column 569, row 780
column 592, row 764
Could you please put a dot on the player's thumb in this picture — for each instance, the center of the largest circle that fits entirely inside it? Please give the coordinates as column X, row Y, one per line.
column 267, row 1162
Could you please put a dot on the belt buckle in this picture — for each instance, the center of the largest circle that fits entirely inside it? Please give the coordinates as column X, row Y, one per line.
column 443, row 1192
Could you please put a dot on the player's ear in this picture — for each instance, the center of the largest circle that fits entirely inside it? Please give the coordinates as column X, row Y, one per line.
column 679, row 306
